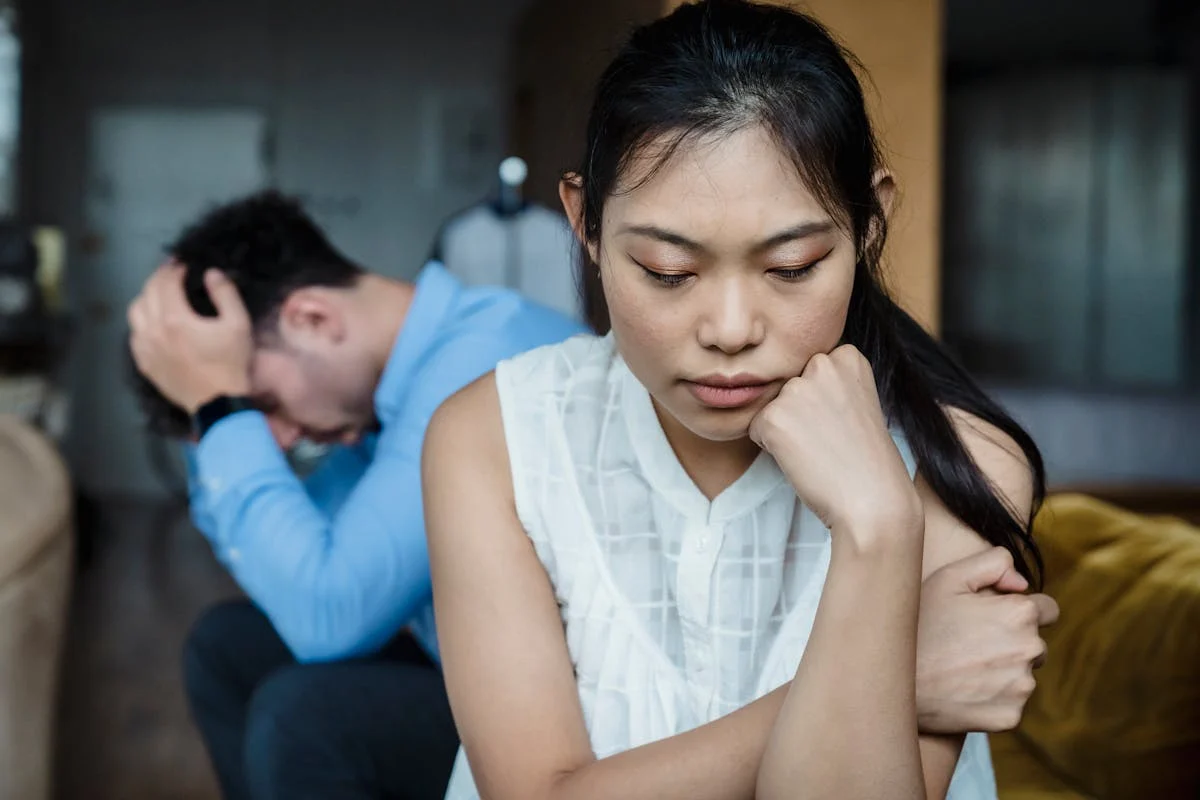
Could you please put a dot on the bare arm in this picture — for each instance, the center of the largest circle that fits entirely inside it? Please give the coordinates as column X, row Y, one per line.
column 848, row 728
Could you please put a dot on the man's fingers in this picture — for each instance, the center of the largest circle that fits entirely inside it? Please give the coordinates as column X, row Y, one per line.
column 160, row 293
column 990, row 568
column 1047, row 609
column 171, row 294
column 223, row 293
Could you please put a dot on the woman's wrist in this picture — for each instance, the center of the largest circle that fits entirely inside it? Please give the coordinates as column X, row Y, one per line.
column 883, row 526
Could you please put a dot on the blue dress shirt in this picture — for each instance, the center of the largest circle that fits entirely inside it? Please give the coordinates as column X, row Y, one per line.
column 338, row 560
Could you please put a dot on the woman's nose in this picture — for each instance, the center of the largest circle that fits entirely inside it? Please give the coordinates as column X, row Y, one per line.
column 732, row 323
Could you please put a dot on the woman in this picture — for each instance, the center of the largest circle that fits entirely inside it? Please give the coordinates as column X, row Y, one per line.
column 740, row 446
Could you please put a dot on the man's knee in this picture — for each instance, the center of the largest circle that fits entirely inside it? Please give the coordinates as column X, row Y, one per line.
column 287, row 729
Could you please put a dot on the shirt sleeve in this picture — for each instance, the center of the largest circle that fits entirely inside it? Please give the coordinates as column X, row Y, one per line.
column 334, row 586
column 328, row 485
column 197, row 497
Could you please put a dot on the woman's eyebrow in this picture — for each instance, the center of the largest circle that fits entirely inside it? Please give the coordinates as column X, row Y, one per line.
column 800, row 231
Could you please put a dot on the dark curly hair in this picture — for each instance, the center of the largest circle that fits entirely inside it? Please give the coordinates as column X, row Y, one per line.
column 268, row 247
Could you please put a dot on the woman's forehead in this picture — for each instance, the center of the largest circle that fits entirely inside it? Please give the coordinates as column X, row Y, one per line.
column 740, row 182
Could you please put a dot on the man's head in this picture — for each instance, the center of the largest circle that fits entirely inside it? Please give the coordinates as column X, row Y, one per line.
column 312, row 372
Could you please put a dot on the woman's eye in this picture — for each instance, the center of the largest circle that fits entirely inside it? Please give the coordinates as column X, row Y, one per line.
column 664, row 278
column 793, row 273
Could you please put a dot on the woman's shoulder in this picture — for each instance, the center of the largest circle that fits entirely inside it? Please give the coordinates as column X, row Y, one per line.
column 464, row 452
column 469, row 417
column 998, row 456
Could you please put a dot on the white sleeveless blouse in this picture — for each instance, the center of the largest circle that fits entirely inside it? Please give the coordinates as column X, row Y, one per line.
column 677, row 610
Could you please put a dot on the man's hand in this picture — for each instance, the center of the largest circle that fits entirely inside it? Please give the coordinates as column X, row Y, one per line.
column 191, row 359
column 977, row 645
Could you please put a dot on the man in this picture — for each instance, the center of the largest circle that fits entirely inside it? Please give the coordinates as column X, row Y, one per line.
column 259, row 334
column 293, row 341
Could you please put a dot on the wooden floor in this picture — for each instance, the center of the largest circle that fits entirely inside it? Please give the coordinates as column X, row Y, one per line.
column 124, row 732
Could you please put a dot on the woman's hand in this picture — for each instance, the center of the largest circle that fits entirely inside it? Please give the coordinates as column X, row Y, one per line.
column 827, row 432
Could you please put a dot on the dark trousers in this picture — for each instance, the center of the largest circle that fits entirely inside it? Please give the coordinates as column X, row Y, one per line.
column 378, row 727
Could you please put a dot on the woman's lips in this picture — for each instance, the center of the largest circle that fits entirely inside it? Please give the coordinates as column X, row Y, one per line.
column 727, row 393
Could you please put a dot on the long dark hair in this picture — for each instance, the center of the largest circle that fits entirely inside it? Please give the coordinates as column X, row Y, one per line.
column 717, row 66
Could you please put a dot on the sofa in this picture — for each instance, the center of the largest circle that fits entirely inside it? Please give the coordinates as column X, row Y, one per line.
column 36, row 557
column 1116, row 713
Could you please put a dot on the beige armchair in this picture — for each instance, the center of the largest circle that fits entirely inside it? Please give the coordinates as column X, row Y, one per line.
column 36, row 555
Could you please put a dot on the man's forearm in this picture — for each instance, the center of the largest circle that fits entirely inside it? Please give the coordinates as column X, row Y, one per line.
column 333, row 587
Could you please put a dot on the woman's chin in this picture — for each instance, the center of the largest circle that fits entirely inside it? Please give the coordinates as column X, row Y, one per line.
column 705, row 422
column 720, row 425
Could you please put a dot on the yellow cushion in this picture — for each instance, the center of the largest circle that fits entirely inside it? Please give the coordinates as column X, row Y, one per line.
column 1117, row 709
column 1020, row 776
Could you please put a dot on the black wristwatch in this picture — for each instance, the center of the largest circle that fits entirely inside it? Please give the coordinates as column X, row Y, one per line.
column 216, row 410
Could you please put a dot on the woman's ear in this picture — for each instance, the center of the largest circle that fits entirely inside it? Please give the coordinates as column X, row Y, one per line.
column 570, row 192
column 885, row 190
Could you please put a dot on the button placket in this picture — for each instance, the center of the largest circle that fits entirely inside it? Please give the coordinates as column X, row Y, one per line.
column 697, row 561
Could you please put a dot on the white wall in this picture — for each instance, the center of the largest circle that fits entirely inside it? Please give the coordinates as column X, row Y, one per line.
column 352, row 88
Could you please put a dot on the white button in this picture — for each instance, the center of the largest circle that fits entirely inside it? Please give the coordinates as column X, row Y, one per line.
column 213, row 484
column 233, row 554
column 701, row 544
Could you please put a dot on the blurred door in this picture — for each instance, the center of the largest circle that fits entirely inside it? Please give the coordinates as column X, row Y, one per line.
column 151, row 171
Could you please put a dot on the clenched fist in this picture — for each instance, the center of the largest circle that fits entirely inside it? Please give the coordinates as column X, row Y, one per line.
column 827, row 432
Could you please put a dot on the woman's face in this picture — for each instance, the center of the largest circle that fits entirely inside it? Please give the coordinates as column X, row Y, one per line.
column 723, row 275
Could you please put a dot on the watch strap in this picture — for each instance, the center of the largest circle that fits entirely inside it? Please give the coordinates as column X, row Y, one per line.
column 216, row 410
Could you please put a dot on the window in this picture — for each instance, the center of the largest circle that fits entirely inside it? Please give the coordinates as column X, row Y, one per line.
column 1066, row 226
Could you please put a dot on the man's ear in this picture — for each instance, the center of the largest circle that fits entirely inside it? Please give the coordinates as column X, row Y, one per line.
column 885, row 190
column 310, row 313
column 570, row 192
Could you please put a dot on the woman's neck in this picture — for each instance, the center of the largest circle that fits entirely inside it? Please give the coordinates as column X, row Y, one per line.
column 712, row 466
